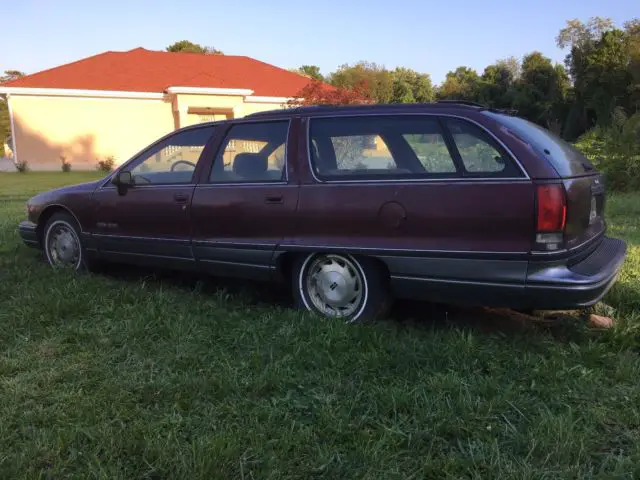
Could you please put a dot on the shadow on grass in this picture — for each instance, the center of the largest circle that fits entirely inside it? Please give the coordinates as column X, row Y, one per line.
column 564, row 327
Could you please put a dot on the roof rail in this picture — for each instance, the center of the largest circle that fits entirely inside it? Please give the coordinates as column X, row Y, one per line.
column 463, row 102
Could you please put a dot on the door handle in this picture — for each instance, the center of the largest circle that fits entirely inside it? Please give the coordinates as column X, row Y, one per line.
column 273, row 199
column 181, row 198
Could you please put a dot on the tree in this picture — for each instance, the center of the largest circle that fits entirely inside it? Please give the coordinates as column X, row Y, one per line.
column 319, row 93
column 496, row 88
column 311, row 71
column 541, row 91
column 190, row 47
column 461, row 84
column 377, row 79
column 10, row 75
column 603, row 63
column 578, row 35
column 410, row 86
column 5, row 124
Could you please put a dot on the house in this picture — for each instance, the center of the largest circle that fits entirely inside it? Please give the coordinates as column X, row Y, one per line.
column 116, row 103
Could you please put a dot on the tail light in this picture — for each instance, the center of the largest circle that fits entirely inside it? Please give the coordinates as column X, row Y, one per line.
column 551, row 216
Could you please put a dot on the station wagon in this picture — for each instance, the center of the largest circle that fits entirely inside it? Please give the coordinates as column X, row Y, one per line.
column 353, row 206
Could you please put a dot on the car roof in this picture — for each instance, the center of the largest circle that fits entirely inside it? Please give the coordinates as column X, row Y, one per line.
column 439, row 106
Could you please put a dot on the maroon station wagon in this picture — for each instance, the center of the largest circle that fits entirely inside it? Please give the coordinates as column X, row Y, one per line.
column 448, row 202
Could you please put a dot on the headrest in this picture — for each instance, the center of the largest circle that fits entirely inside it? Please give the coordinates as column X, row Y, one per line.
column 250, row 166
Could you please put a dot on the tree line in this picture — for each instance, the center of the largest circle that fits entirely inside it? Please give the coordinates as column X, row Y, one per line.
column 599, row 79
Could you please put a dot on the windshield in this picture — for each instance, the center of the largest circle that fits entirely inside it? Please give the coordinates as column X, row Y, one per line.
column 564, row 157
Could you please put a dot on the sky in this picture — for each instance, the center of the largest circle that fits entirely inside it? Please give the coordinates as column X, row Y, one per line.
column 428, row 36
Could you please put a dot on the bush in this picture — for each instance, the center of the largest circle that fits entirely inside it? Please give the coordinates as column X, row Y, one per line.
column 66, row 166
column 107, row 164
column 22, row 166
column 615, row 151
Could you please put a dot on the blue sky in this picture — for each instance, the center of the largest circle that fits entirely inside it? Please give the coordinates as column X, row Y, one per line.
column 428, row 36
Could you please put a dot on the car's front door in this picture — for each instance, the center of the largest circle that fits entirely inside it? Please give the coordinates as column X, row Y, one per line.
column 244, row 208
column 148, row 223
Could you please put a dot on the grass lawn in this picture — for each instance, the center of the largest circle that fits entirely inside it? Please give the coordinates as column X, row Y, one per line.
column 136, row 375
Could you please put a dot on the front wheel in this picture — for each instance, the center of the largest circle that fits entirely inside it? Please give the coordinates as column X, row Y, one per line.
column 62, row 244
column 342, row 286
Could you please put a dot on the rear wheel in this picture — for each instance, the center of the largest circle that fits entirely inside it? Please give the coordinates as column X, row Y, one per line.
column 342, row 286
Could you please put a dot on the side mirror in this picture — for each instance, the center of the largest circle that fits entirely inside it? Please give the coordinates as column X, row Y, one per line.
column 123, row 180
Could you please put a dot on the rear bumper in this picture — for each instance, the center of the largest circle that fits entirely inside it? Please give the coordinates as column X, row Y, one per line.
column 560, row 286
column 542, row 285
column 28, row 234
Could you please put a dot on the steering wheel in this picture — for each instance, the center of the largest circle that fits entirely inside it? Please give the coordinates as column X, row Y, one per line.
column 182, row 162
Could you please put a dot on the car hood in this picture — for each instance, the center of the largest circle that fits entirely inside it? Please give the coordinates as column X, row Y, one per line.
column 53, row 196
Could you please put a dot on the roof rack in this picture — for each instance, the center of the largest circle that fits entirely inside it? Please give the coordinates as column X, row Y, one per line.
column 463, row 102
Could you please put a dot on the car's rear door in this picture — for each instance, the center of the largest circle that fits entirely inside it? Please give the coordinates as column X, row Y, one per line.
column 245, row 206
column 399, row 188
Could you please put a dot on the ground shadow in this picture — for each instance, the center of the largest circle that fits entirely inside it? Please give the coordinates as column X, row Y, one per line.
column 563, row 326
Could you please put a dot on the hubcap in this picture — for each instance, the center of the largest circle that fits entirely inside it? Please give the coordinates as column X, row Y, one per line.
column 63, row 246
column 335, row 285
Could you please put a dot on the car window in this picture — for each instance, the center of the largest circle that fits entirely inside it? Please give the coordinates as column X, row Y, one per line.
column 565, row 158
column 432, row 151
column 173, row 160
column 252, row 152
column 362, row 152
column 380, row 146
column 478, row 152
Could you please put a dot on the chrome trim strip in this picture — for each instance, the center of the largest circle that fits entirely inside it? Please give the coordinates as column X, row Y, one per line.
column 243, row 184
column 222, row 244
column 309, row 118
column 156, row 185
column 128, row 237
column 227, row 262
column 150, row 255
column 480, row 283
column 385, row 249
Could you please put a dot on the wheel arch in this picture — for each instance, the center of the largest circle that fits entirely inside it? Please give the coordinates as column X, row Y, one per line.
column 285, row 261
column 47, row 213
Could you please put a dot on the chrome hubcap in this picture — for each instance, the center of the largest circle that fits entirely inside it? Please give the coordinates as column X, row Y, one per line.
column 63, row 246
column 335, row 285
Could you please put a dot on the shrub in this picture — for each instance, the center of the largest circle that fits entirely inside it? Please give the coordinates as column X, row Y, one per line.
column 66, row 166
column 615, row 151
column 107, row 164
column 22, row 166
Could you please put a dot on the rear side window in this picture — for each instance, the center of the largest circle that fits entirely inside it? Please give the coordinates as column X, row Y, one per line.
column 372, row 147
column 479, row 153
column 564, row 157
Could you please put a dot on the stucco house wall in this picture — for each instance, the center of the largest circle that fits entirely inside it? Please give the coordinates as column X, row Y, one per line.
column 85, row 130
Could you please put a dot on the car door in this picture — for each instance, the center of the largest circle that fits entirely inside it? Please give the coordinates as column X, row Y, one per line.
column 148, row 223
column 243, row 209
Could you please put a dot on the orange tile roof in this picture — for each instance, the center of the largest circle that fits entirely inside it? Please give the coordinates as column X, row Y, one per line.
column 141, row 70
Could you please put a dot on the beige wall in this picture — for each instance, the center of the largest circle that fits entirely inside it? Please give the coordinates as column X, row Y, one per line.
column 85, row 130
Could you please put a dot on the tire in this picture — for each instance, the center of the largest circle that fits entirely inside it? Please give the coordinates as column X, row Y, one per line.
column 354, row 289
column 62, row 245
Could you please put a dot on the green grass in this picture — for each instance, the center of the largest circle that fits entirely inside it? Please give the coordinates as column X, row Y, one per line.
column 136, row 375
